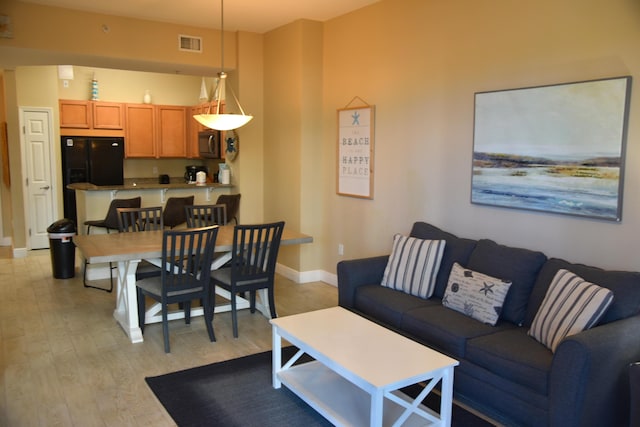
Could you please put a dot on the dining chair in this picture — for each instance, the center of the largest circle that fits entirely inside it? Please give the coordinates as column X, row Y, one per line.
column 184, row 276
column 232, row 201
column 174, row 214
column 253, row 265
column 109, row 222
column 205, row 215
column 140, row 219
column 132, row 220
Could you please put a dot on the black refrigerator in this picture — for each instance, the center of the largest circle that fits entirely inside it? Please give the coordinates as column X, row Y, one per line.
column 97, row 160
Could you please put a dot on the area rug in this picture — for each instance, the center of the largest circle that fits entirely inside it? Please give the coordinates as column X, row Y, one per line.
column 238, row 392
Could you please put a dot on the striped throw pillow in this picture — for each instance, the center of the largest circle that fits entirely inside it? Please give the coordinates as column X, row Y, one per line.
column 413, row 265
column 571, row 305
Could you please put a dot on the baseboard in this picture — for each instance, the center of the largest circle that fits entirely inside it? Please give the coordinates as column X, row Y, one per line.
column 20, row 252
column 306, row 276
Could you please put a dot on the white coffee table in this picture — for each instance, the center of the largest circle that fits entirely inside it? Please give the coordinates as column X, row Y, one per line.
column 358, row 370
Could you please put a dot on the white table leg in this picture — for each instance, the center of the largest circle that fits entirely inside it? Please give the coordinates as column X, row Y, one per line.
column 377, row 404
column 446, row 401
column 126, row 312
column 276, row 357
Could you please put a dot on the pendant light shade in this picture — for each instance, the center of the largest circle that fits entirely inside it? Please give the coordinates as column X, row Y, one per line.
column 217, row 120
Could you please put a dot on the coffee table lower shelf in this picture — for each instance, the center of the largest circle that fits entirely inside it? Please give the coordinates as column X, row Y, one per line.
column 343, row 403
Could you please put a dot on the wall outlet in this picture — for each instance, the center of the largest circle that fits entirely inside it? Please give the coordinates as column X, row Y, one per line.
column 340, row 249
column 155, row 170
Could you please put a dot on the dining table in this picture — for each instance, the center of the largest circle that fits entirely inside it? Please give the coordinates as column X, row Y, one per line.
column 128, row 249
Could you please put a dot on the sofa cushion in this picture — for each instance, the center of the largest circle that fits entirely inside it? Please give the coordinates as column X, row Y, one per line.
column 413, row 265
column 518, row 265
column 444, row 329
column 475, row 294
column 624, row 284
column 456, row 250
column 513, row 355
column 387, row 305
column 571, row 305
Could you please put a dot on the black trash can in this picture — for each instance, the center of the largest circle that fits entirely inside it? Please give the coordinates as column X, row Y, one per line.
column 63, row 251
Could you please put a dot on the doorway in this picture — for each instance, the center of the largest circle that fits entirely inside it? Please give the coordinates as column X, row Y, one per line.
column 38, row 164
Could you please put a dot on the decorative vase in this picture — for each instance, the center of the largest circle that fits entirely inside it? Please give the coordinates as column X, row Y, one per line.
column 147, row 97
column 94, row 89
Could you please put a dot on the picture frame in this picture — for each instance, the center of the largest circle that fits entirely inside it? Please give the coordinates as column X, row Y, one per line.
column 355, row 171
column 557, row 148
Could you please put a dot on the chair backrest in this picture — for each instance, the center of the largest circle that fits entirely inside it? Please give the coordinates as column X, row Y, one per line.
column 205, row 215
column 174, row 213
column 255, row 250
column 111, row 220
column 232, row 201
column 186, row 259
column 140, row 219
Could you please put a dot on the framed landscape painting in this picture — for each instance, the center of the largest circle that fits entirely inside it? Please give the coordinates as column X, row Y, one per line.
column 556, row 148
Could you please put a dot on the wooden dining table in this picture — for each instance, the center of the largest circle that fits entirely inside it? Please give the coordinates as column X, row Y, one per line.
column 128, row 249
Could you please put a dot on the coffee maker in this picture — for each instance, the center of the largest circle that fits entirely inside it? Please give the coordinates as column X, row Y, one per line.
column 191, row 173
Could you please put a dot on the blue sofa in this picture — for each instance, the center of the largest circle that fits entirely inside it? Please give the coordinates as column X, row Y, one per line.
column 503, row 372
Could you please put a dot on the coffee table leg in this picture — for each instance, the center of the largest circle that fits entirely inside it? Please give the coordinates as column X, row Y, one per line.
column 276, row 356
column 377, row 403
column 446, row 401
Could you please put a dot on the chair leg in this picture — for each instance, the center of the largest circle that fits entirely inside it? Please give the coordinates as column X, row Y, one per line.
column 141, row 310
column 84, row 278
column 208, row 318
column 234, row 314
column 272, row 302
column 165, row 328
column 187, row 312
column 252, row 301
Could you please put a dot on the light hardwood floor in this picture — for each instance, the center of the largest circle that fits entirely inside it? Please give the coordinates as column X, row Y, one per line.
column 65, row 361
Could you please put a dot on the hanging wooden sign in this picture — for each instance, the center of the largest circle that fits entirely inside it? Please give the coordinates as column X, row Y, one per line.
column 355, row 151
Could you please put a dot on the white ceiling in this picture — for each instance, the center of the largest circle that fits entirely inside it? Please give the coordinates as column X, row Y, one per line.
column 257, row 16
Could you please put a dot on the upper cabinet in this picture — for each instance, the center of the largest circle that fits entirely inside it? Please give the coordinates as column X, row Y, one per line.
column 172, row 130
column 141, row 131
column 91, row 118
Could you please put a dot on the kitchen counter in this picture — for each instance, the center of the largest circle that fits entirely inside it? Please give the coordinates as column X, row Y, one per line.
column 145, row 184
column 92, row 201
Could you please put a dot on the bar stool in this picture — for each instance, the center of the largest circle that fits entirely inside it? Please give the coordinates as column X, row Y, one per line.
column 110, row 222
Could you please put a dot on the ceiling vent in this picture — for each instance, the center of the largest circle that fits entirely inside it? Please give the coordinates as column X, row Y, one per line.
column 190, row 43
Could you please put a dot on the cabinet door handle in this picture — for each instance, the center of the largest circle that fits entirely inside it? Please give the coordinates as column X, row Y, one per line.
column 45, row 188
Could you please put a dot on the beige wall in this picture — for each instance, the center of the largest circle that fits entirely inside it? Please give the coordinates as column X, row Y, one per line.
column 420, row 62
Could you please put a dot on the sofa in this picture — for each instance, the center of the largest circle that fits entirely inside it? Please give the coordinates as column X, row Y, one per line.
column 505, row 372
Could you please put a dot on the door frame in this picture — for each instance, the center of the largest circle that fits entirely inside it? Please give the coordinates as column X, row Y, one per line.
column 53, row 164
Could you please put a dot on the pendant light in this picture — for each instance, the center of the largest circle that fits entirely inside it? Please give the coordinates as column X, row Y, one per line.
column 216, row 120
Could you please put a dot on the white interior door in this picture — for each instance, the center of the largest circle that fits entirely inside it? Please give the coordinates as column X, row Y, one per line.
column 38, row 183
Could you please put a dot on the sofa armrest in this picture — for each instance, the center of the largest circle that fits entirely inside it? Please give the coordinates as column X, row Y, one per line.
column 358, row 272
column 634, row 390
column 589, row 382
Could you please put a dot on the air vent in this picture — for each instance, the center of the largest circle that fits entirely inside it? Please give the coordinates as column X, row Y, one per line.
column 190, row 43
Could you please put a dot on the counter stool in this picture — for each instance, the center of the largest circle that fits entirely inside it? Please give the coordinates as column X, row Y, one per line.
column 110, row 222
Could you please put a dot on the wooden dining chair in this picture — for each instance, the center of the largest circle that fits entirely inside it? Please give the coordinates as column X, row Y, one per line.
column 140, row 219
column 109, row 222
column 205, row 215
column 133, row 220
column 253, row 265
column 185, row 266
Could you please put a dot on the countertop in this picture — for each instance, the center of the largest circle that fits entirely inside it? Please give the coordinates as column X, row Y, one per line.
column 145, row 184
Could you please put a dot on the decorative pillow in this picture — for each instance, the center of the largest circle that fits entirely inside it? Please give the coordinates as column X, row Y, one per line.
column 571, row 305
column 476, row 295
column 413, row 265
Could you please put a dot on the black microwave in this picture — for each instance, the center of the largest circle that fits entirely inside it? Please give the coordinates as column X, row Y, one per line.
column 209, row 144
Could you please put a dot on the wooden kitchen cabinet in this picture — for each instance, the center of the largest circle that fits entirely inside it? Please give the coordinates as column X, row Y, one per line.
column 91, row 118
column 108, row 115
column 75, row 114
column 140, row 131
column 171, row 136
